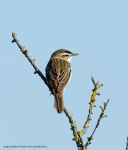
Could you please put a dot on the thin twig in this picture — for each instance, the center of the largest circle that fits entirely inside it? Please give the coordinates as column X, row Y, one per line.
column 101, row 116
column 96, row 86
column 73, row 123
column 25, row 52
column 102, row 113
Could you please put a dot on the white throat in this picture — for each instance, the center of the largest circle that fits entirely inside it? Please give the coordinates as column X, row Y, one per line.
column 69, row 59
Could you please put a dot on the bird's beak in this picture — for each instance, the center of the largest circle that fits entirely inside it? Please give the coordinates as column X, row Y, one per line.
column 75, row 54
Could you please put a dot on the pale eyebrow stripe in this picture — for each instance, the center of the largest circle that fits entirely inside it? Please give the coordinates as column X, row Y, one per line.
column 66, row 54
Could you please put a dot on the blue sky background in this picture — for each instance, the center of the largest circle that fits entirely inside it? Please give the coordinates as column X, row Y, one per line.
column 98, row 31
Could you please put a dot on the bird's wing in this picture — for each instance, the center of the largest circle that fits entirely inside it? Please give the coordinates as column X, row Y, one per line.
column 64, row 78
column 58, row 78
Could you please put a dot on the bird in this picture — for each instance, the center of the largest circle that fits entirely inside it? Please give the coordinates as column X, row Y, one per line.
column 58, row 74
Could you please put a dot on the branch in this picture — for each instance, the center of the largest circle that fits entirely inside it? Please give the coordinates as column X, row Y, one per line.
column 86, row 125
column 32, row 61
column 77, row 135
column 101, row 116
column 91, row 103
column 74, row 128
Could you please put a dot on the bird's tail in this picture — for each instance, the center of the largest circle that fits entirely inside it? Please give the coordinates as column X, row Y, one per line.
column 59, row 101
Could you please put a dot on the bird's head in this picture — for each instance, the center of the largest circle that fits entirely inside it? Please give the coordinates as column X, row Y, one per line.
column 63, row 54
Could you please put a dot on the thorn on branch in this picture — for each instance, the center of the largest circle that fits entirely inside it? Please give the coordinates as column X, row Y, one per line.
column 35, row 72
column 13, row 41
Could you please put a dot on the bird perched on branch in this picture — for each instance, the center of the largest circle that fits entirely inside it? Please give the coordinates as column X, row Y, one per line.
column 58, row 75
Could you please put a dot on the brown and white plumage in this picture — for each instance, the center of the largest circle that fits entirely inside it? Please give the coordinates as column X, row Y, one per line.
column 58, row 75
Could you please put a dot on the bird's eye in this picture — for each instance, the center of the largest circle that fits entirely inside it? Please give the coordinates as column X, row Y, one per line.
column 66, row 55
